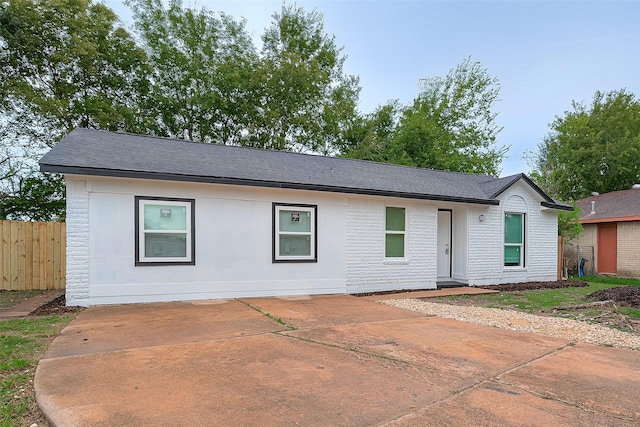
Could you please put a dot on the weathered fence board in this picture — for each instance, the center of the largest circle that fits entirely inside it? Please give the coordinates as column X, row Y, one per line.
column 33, row 255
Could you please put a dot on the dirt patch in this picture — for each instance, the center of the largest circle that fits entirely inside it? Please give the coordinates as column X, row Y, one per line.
column 506, row 287
column 624, row 295
column 56, row 306
column 528, row 286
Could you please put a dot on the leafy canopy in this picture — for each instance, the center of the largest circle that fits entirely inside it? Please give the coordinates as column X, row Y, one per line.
column 591, row 148
column 63, row 64
column 39, row 198
column 449, row 126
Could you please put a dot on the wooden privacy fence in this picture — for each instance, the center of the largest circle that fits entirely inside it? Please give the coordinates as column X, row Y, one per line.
column 33, row 255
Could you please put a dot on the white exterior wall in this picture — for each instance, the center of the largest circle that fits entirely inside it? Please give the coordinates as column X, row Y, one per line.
column 486, row 240
column 367, row 268
column 233, row 232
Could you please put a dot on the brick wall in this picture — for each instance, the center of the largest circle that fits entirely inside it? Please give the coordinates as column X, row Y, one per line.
column 629, row 249
column 486, row 263
column 367, row 268
column 77, row 290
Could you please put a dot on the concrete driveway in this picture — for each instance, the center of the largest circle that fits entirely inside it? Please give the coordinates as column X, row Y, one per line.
column 325, row 361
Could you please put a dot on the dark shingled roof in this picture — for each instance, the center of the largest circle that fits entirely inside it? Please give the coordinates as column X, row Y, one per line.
column 94, row 152
column 621, row 205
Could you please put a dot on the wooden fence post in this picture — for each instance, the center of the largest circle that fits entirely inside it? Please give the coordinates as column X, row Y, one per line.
column 560, row 256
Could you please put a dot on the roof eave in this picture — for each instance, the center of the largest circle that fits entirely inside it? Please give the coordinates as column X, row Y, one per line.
column 532, row 184
column 72, row 170
column 611, row 219
column 557, row 206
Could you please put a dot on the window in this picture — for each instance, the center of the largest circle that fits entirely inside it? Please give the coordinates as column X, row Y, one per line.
column 164, row 231
column 514, row 240
column 294, row 233
column 395, row 233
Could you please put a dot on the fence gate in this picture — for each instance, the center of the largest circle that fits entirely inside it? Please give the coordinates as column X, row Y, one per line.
column 33, row 255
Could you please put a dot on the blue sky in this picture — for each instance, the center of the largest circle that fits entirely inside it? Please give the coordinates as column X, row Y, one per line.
column 545, row 53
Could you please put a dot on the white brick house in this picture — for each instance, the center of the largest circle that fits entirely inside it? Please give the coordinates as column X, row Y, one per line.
column 153, row 219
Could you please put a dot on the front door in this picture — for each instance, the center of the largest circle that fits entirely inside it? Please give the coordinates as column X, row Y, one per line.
column 608, row 248
column 444, row 244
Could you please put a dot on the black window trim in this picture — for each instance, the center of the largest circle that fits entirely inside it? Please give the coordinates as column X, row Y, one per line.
column 274, row 233
column 136, row 239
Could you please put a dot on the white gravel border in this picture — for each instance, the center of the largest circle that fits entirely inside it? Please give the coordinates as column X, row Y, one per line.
column 555, row 327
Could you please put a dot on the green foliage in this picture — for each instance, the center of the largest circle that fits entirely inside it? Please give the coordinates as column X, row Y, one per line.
column 67, row 64
column 307, row 102
column 201, row 66
column 63, row 64
column 370, row 136
column 608, row 280
column 569, row 225
column 210, row 84
column 593, row 148
column 39, row 198
column 634, row 313
column 449, row 126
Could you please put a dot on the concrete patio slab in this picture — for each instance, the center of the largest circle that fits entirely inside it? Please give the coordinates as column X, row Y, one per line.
column 266, row 380
column 111, row 328
column 589, row 377
column 328, row 310
column 459, row 357
column 495, row 404
column 351, row 362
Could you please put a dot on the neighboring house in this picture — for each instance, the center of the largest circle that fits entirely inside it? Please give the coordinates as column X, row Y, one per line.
column 153, row 219
column 611, row 225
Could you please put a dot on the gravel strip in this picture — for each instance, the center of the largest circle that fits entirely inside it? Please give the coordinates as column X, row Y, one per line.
column 566, row 329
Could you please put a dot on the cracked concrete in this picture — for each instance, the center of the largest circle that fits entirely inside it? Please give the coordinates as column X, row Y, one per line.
column 326, row 360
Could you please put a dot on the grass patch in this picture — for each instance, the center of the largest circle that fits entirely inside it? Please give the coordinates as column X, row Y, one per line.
column 608, row 280
column 634, row 313
column 22, row 344
column 543, row 300
column 10, row 298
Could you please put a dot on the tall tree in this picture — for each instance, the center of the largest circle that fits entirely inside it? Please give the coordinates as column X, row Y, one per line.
column 67, row 63
column 202, row 64
column 594, row 148
column 307, row 102
column 449, row 126
column 63, row 64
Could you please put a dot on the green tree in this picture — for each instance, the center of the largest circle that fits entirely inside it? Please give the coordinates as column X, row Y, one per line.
column 594, row 148
column 370, row 136
column 39, row 198
column 63, row 64
column 203, row 63
column 66, row 63
column 569, row 225
column 307, row 102
column 449, row 126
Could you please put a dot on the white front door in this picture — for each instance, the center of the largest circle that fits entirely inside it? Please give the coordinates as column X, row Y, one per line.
column 444, row 244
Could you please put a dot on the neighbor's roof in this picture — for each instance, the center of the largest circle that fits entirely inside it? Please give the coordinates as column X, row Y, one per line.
column 616, row 206
column 93, row 152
